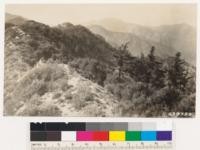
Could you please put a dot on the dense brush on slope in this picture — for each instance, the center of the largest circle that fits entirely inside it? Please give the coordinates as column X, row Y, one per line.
column 65, row 44
column 26, row 44
column 14, row 66
column 51, row 89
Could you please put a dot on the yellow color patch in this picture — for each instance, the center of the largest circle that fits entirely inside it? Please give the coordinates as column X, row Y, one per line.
column 116, row 135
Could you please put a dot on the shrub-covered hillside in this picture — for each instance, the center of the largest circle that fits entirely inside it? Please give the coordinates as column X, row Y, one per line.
column 51, row 89
column 69, row 71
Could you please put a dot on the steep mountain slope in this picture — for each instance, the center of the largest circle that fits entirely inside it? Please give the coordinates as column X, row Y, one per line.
column 66, row 93
column 136, row 44
column 60, row 44
column 181, row 37
column 168, row 38
column 69, row 71
column 29, row 85
column 14, row 65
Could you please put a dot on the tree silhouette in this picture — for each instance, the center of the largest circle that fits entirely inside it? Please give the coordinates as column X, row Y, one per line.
column 122, row 58
column 152, row 54
column 178, row 74
column 157, row 73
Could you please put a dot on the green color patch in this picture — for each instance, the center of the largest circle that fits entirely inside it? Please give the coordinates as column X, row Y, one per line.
column 133, row 136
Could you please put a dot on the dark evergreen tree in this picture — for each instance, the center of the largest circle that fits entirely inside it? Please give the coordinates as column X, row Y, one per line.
column 155, row 71
column 178, row 74
column 152, row 54
column 122, row 58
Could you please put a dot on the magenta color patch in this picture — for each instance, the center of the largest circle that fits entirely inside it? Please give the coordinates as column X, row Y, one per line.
column 84, row 136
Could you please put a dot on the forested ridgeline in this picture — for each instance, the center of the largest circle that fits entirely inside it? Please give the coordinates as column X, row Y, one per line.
column 146, row 85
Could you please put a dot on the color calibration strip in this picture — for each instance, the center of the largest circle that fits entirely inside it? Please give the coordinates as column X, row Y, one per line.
column 116, row 132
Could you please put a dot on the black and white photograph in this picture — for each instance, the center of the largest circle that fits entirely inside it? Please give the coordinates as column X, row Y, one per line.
column 100, row 60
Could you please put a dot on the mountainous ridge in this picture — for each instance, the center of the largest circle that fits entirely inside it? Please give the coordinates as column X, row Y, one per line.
column 67, row 70
column 32, row 43
column 168, row 39
column 57, row 40
column 136, row 45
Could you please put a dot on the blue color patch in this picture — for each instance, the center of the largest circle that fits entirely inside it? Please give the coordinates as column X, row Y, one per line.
column 148, row 135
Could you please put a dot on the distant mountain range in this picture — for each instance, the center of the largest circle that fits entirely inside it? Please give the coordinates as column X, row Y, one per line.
column 168, row 39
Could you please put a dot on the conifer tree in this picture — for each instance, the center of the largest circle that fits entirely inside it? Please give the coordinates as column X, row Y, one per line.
column 123, row 53
column 155, row 71
column 178, row 74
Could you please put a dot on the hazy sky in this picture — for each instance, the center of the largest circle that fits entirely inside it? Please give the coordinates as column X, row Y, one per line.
column 143, row 14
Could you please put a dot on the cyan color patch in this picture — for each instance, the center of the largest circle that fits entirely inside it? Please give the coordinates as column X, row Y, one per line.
column 148, row 135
